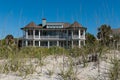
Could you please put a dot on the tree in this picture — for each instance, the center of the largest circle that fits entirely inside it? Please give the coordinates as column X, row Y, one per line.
column 9, row 39
column 90, row 38
column 104, row 32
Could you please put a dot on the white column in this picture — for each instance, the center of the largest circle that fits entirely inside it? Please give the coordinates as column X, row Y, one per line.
column 72, row 34
column 57, row 43
column 26, row 43
column 33, row 33
column 39, row 34
column 84, row 34
column 79, row 43
column 79, row 34
column 26, row 33
column 39, row 43
column 48, row 44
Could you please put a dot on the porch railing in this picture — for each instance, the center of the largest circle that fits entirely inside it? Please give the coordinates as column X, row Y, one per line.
column 55, row 37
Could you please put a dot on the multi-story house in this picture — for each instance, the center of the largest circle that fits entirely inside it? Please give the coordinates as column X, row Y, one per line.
column 50, row 34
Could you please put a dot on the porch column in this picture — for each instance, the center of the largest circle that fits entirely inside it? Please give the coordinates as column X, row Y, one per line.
column 39, row 34
column 26, row 33
column 79, row 34
column 33, row 33
column 84, row 34
column 26, row 43
column 72, row 34
column 57, row 43
column 79, row 43
column 48, row 44
column 39, row 43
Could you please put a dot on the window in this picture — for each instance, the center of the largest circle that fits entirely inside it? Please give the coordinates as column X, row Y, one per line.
column 53, row 43
column 30, row 32
column 75, row 32
column 36, row 43
column 36, row 32
column 69, row 33
column 44, row 43
column 81, row 32
column 30, row 43
column 82, row 43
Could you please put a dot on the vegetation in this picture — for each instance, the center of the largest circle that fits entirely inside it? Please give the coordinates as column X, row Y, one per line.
column 16, row 59
column 104, row 32
column 90, row 38
column 114, row 71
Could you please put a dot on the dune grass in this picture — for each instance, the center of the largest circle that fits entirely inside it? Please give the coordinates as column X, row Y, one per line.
column 15, row 60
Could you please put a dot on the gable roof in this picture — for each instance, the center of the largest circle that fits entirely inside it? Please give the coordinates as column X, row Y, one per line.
column 75, row 24
column 31, row 24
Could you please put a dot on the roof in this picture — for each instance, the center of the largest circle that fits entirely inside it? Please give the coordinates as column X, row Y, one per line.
column 116, row 31
column 32, row 25
column 65, row 25
column 75, row 24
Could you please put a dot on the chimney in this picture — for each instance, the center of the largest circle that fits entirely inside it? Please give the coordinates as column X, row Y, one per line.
column 43, row 22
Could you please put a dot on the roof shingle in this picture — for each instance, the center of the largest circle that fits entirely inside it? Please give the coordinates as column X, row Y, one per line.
column 31, row 24
column 75, row 24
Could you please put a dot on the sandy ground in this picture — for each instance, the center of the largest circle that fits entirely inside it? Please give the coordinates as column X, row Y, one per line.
column 52, row 67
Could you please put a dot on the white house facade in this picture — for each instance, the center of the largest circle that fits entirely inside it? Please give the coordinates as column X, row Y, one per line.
column 50, row 34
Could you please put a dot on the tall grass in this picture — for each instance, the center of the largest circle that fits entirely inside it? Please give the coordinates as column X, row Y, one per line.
column 15, row 59
column 114, row 70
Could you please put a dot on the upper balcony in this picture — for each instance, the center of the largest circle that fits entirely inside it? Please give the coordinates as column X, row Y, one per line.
column 55, row 37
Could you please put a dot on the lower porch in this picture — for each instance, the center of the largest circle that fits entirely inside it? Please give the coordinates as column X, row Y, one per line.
column 64, row 43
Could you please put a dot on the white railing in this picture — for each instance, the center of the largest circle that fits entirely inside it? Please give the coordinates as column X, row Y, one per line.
column 55, row 37
column 82, row 37
column 75, row 37
column 36, row 36
column 52, row 37
column 30, row 37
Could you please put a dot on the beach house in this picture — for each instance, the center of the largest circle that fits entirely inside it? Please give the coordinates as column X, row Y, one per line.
column 49, row 34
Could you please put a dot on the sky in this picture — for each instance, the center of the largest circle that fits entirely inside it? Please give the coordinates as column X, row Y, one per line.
column 15, row 14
